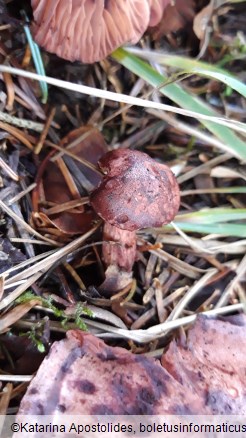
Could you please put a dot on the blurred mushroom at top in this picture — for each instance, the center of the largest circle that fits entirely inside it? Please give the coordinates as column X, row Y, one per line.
column 88, row 31
column 156, row 10
column 136, row 192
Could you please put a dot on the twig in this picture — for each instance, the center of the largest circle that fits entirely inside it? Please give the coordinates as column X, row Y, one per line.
column 15, row 378
column 190, row 295
column 118, row 97
column 36, row 271
column 206, row 166
column 188, row 129
column 26, row 226
column 240, row 271
column 8, row 170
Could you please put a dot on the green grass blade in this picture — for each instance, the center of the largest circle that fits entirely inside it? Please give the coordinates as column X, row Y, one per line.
column 38, row 62
column 180, row 62
column 188, row 65
column 213, row 216
column 232, row 82
column 212, row 221
column 234, row 144
column 218, row 190
column 236, row 230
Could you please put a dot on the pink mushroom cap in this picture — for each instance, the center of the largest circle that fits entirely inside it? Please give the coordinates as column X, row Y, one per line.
column 156, row 10
column 89, row 30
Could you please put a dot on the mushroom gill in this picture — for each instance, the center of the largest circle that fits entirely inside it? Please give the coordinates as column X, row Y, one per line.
column 88, row 30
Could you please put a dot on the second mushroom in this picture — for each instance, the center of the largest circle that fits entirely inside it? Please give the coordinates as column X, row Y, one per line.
column 88, row 31
column 136, row 192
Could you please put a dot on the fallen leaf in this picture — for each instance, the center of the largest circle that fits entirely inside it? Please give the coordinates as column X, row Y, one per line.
column 61, row 182
column 15, row 314
column 89, row 144
column 202, row 20
column 212, row 363
column 204, row 376
column 95, row 379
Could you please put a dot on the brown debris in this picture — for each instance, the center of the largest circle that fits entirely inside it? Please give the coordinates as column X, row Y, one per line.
column 154, row 290
column 116, row 280
column 87, row 143
column 56, row 186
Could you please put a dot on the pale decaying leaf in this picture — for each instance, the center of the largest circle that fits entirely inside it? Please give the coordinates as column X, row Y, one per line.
column 212, row 363
column 226, row 172
column 82, row 375
column 202, row 19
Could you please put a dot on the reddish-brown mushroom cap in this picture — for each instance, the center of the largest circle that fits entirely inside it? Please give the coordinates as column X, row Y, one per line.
column 88, row 30
column 137, row 191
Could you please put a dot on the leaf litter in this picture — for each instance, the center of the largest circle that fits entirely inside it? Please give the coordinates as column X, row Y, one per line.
column 51, row 240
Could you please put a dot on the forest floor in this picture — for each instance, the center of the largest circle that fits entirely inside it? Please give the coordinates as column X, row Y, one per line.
column 51, row 241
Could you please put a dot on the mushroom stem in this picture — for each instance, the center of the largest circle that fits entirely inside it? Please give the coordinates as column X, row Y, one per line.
column 119, row 253
column 119, row 247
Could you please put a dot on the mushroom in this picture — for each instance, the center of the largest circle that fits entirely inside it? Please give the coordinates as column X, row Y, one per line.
column 136, row 192
column 156, row 10
column 89, row 30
